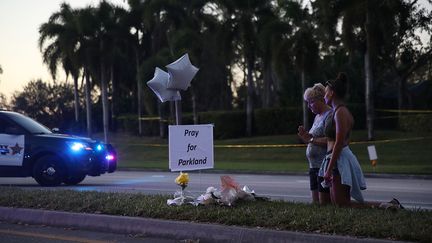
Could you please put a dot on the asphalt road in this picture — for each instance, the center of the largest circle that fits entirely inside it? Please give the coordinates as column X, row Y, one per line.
column 411, row 192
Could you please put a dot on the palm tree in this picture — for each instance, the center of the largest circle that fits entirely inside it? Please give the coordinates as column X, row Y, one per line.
column 136, row 25
column 271, row 37
column 357, row 35
column 384, row 32
column 198, row 32
column 403, row 52
column 62, row 34
column 303, row 44
column 85, row 21
column 106, row 34
column 242, row 17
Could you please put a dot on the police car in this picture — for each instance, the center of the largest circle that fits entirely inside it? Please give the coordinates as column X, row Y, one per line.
column 28, row 148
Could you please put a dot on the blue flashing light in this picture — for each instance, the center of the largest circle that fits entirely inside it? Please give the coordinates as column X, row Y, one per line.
column 77, row 146
column 99, row 147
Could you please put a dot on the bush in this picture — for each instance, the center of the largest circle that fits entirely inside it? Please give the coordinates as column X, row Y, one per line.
column 272, row 121
column 416, row 123
column 227, row 124
column 277, row 120
column 129, row 123
column 386, row 120
column 358, row 111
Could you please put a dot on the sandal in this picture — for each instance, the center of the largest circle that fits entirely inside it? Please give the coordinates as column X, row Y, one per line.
column 396, row 202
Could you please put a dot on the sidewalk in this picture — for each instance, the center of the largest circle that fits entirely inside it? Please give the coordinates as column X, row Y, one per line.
column 178, row 230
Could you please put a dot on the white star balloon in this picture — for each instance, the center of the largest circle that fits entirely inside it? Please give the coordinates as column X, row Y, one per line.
column 159, row 86
column 181, row 73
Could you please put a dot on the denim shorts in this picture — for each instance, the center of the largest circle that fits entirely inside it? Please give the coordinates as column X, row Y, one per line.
column 315, row 181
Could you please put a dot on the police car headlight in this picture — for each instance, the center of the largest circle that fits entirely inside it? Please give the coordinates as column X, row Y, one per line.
column 78, row 146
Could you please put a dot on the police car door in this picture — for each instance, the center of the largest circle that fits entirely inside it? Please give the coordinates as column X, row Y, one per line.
column 11, row 144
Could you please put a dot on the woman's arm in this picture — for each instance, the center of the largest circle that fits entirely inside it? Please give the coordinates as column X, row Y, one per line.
column 320, row 141
column 303, row 134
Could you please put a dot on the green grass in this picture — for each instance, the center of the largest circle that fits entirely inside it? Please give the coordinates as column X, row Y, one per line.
column 405, row 153
column 396, row 225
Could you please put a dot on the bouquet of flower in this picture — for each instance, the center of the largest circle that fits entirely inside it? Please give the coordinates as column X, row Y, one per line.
column 182, row 180
column 179, row 198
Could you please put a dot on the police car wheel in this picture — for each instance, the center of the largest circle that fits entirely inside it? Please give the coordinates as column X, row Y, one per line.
column 74, row 180
column 49, row 171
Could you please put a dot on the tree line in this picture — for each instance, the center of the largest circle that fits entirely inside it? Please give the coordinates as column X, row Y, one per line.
column 251, row 53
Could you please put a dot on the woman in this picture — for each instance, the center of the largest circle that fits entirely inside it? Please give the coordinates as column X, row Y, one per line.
column 316, row 141
column 340, row 168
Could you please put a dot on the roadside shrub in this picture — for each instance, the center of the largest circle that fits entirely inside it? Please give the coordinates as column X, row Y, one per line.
column 416, row 123
column 358, row 111
column 227, row 124
column 129, row 123
column 386, row 120
column 277, row 120
column 271, row 121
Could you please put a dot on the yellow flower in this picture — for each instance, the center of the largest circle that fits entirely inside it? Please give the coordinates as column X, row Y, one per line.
column 182, row 179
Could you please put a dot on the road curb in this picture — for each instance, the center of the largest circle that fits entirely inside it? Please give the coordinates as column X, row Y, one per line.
column 213, row 171
column 179, row 230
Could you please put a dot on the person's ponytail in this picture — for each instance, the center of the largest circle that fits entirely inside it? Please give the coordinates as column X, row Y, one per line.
column 341, row 85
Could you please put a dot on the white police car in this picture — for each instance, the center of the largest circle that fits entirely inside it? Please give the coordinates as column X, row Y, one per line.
column 28, row 148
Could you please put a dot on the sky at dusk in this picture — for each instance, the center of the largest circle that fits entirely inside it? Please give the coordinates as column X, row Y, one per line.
column 20, row 57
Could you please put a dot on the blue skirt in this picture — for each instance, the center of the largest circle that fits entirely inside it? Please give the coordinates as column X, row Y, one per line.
column 350, row 172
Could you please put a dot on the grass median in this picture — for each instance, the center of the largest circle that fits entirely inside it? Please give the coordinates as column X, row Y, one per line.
column 409, row 225
column 398, row 152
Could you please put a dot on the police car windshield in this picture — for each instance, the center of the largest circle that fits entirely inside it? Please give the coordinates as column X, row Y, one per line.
column 29, row 124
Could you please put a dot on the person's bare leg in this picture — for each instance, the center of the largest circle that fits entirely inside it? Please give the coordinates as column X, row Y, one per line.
column 324, row 198
column 332, row 196
column 315, row 196
column 341, row 193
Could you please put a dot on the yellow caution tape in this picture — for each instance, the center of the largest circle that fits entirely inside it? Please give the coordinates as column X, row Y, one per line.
column 405, row 111
column 391, row 140
column 145, row 144
column 260, row 145
column 285, row 145
column 228, row 146
column 153, row 119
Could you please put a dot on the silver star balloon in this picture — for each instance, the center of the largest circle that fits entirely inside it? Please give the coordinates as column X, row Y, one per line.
column 181, row 73
column 159, row 86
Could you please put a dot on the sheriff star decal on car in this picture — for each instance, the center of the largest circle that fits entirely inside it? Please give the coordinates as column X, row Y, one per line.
column 16, row 149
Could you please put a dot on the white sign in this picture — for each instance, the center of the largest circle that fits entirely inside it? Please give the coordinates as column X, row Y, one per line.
column 372, row 152
column 11, row 149
column 190, row 147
